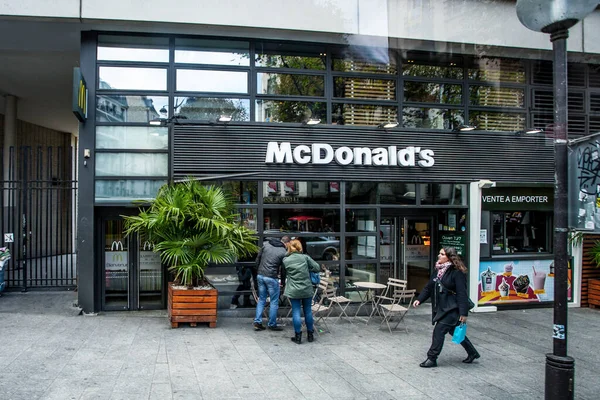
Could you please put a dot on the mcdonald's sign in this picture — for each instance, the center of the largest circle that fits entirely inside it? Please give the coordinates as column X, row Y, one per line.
column 80, row 95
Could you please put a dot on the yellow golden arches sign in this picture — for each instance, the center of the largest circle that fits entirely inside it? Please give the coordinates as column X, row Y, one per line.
column 80, row 95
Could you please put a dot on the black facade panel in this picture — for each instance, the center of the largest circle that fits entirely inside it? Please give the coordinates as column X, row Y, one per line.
column 221, row 150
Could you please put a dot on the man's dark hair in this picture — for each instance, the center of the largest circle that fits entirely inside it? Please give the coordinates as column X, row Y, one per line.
column 285, row 239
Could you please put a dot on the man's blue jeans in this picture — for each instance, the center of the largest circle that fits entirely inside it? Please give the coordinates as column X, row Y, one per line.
column 297, row 304
column 270, row 286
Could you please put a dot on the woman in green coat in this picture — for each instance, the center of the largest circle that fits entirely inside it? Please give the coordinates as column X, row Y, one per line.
column 299, row 288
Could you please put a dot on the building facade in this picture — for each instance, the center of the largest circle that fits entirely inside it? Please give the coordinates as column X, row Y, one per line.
column 375, row 132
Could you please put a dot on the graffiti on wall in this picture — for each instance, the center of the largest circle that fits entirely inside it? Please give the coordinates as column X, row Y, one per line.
column 585, row 206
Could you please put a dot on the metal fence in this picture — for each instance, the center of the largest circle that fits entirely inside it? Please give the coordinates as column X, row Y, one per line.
column 39, row 197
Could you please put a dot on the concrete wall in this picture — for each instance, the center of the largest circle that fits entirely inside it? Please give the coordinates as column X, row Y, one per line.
column 491, row 22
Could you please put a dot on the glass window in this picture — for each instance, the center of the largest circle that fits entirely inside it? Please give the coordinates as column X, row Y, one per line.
column 133, row 48
column 380, row 193
column 431, row 118
column 429, row 92
column 127, row 108
column 372, row 60
column 498, row 70
column 193, row 80
column 127, row 189
column 320, row 247
column 361, row 192
column 132, row 164
column 289, row 111
column 496, row 96
column 361, row 247
column 520, row 232
column 364, row 88
column 415, row 68
column 301, row 192
column 243, row 192
column 130, row 78
column 132, row 137
column 359, row 273
column 291, row 61
column 444, row 193
column 216, row 52
column 359, row 220
column 295, row 220
column 247, row 217
column 363, row 114
column 290, row 84
column 497, row 121
column 211, row 108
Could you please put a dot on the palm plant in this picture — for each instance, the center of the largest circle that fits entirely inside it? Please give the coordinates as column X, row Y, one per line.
column 192, row 225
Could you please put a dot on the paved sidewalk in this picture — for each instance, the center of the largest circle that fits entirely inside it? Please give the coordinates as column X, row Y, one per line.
column 50, row 352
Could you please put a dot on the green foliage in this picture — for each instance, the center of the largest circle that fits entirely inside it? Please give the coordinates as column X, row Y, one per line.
column 594, row 252
column 191, row 226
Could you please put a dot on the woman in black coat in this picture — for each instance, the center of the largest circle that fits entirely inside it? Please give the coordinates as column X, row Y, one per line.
column 449, row 303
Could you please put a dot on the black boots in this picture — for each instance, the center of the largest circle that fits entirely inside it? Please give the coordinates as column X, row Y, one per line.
column 297, row 338
column 472, row 353
column 429, row 363
column 310, row 336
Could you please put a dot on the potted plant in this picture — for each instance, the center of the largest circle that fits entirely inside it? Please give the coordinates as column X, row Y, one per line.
column 593, row 287
column 192, row 226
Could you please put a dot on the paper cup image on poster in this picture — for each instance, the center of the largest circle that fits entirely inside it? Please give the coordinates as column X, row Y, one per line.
column 516, row 281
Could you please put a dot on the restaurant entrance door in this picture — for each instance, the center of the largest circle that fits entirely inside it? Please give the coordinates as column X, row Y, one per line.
column 405, row 249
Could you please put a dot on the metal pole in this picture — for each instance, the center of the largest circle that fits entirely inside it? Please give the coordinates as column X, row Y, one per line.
column 559, row 367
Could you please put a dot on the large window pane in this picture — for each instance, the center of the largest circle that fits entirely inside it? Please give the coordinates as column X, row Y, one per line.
column 133, row 48
column 290, row 84
column 289, row 111
column 520, row 232
column 193, row 80
column 359, row 220
column 363, row 114
column 127, row 189
column 412, row 68
column 497, row 121
column 429, row 92
column 130, row 78
column 380, row 193
column 362, row 88
column 295, row 220
column 127, row 108
column 432, row 118
column 361, row 192
column 243, row 192
column 361, row 247
column 290, row 61
column 450, row 194
column 498, row 70
column 496, row 96
column 211, row 108
column 132, row 164
column 218, row 52
column 132, row 137
column 300, row 192
column 247, row 217
column 372, row 60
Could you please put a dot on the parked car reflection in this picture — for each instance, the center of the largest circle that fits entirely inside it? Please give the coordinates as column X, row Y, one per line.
column 318, row 247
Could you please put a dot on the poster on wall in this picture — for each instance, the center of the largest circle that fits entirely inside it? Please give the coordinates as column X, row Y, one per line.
column 517, row 281
column 453, row 240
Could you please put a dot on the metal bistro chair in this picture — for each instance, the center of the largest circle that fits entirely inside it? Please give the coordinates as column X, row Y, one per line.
column 319, row 307
column 395, row 308
column 393, row 284
column 333, row 299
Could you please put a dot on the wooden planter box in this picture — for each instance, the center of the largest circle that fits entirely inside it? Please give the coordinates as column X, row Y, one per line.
column 192, row 306
column 594, row 293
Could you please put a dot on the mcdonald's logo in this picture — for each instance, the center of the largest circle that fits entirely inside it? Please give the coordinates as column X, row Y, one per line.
column 80, row 96
column 117, row 257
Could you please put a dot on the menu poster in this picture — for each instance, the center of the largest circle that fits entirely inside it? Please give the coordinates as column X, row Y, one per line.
column 516, row 281
column 289, row 187
column 454, row 240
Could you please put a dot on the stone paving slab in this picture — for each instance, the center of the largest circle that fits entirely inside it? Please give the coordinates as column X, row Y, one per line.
column 49, row 351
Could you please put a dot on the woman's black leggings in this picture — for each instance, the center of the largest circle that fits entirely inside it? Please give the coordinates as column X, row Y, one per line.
column 439, row 333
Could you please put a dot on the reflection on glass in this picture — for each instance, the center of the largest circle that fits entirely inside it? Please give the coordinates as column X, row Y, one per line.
column 380, row 193
column 116, row 265
column 192, row 80
column 433, row 118
column 373, row 60
column 298, row 220
column 127, row 189
column 364, row 88
column 300, row 192
column 203, row 51
column 132, row 164
column 429, row 92
column 132, row 137
column 150, row 278
column 496, row 96
column 133, row 48
column 320, row 247
column 290, row 84
column 243, row 192
column 289, row 111
column 450, row 194
column 132, row 78
column 415, row 68
column 362, row 114
column 247, row 217
column 129, row 108
column 498, row 70
column 359, row 220
column 211, row 108
column 290, row 61
column 497, row 121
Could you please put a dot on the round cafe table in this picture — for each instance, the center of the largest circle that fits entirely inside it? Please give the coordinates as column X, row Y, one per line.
column 370, row 288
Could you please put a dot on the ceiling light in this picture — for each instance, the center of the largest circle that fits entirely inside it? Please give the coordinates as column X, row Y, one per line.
column 464, row 128
column 224, row 118
column 535, row 130
column 157, row 121
column 312, row 121
column 388, row 125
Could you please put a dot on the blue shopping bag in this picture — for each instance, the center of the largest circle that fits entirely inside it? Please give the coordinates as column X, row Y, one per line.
column 459, row 333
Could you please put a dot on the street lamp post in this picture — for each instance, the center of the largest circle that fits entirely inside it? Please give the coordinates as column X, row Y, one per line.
column 556, row 17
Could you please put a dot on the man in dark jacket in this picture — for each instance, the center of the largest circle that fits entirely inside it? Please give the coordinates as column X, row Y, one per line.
column 269, row 264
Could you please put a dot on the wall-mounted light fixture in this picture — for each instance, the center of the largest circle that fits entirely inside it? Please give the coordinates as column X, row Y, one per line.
column 225, row 118
column 530, row 131
column 464, row 128
column 312, row 121
column 163, row 110
column 486, row 184
column 166, row 121
column 388, row 125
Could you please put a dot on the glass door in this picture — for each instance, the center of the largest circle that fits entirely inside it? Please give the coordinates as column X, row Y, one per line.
column 388, row 249
column 415, row 251
column 149, row 277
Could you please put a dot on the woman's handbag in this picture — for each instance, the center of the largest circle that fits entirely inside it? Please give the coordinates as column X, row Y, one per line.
column 315, row 277
column 459, row 333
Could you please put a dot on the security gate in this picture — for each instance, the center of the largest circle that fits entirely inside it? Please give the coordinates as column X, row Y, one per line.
column 39, row 197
